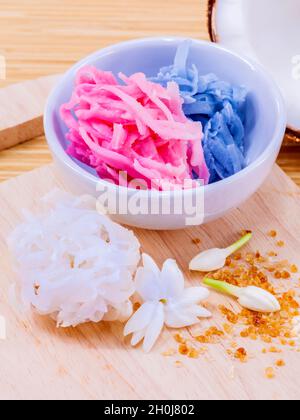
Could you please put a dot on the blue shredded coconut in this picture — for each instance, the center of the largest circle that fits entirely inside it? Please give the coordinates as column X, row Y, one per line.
column 218, row 105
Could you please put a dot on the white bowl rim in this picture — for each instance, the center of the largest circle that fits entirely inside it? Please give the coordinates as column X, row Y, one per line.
column 59, row 152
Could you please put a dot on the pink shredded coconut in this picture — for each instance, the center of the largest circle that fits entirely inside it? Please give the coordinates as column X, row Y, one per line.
column 138, row 128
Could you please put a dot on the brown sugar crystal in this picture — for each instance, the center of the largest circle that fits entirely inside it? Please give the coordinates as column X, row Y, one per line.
column 285, row 275
column 183, row 349
column 203, row 339
column 274, row 329
column 193, row 353
column 230, row 315
column 241, row 354
column 270, row 373
column 294, row 269
column 267, row 327
column 179, row 339
column 273, row 233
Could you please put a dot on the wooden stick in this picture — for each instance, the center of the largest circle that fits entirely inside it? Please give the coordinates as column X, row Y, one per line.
column 21, row 110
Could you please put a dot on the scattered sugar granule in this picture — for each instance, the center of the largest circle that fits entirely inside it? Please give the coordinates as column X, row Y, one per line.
column 275, row 350
column 178, row 364
column 193, row 353
column 183, row 349
column 169, row 353
column 270, row 373
column 273, row 234
column 179, row 339
column 294, row 269
column 241, row 354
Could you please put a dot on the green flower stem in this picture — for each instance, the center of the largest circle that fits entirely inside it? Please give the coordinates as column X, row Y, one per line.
column 239, row 244
column 223, row 287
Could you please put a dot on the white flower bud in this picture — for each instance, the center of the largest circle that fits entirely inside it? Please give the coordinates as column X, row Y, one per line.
column 253, row 298
column 259, row 300
column 210, row 260
column 215, row 259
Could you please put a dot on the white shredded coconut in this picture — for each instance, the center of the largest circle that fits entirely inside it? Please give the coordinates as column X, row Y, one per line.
column 74, row 263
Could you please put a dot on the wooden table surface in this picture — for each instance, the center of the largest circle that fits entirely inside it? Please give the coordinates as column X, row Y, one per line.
column 39, row 38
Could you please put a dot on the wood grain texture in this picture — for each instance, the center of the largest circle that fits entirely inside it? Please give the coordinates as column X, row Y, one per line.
column 24, row 158
column 41, row 38
column 289, row 161
column 21, row 110
column 20, row 121
column 95, row 362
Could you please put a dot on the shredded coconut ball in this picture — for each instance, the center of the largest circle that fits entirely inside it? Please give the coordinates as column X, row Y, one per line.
column 74, row 263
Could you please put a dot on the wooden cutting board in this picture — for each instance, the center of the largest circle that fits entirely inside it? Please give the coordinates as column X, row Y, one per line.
column 95, row 362
column 22, row 108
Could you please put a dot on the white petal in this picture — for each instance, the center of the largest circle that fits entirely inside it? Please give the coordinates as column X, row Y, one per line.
column 172, row 279
column 174, row 319
column 141, row 318
column 150, row 264
column 179, row 317
column 147, row 285
column 137, row 337
column 193, row 295
column 155, row 328
column 199, row 311
column 147, row 280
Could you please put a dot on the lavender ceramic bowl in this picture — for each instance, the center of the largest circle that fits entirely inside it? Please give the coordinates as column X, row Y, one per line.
column 266, row 124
